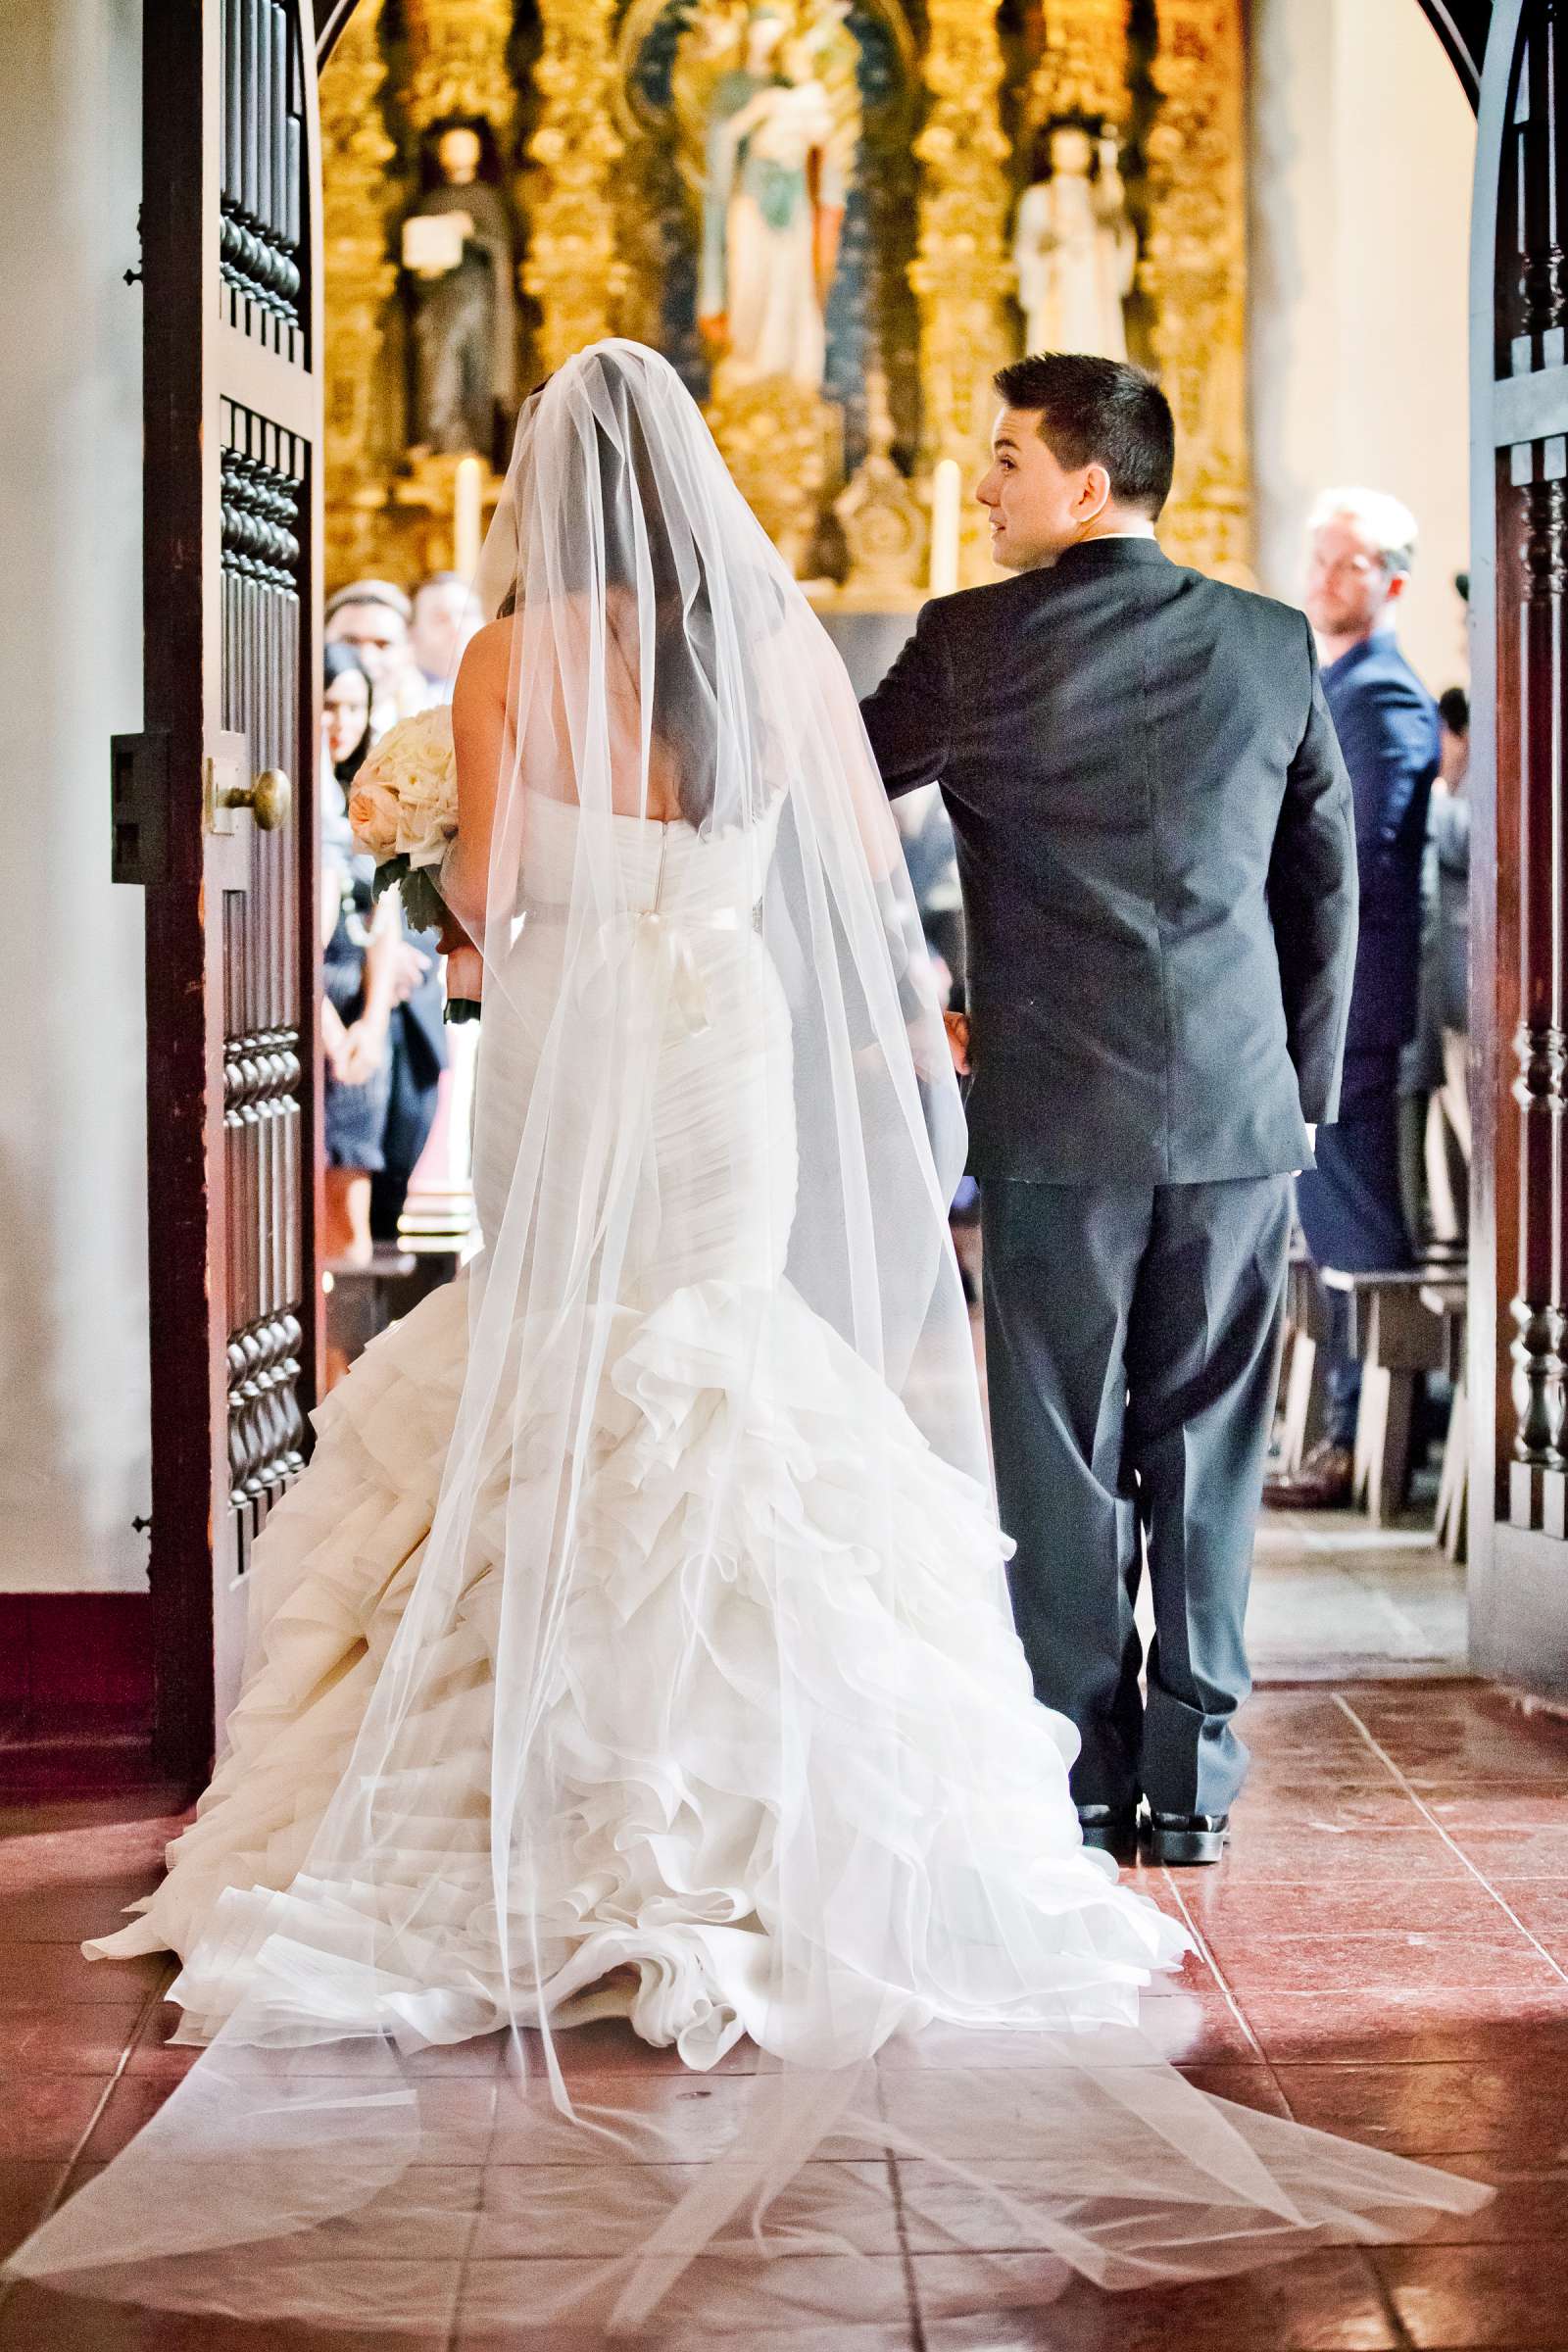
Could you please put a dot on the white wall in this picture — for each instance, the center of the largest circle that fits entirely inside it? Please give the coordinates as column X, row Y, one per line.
column 1362, row 149
column 74, row 1435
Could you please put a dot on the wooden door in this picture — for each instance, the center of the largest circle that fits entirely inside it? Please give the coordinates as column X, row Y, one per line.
column 213, row 811
column 1519, row 945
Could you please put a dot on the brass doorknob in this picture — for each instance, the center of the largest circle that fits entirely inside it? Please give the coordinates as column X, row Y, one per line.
column 268, row 799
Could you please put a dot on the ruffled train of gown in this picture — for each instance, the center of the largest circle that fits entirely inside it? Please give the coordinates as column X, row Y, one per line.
column 733, row 1433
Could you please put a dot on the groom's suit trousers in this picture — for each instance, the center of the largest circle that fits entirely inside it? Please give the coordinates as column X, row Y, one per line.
column 1132, row 1343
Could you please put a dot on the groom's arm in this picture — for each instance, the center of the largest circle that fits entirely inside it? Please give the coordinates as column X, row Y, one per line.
column 908, row 717
column 1313, row 900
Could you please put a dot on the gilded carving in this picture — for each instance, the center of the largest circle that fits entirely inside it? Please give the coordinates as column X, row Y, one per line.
column 361, row 274
column 611, row 200
column 962, row 274
column 881, row 518
column 459, row 68
column 1195, row 271
column 1082, row 73
column 572, row 270
column 779, row 442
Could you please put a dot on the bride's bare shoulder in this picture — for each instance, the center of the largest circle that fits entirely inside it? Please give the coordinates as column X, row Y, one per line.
column 486, row 663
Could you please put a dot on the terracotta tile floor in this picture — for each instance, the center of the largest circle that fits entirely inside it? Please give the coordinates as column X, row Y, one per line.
column 1384, row 1953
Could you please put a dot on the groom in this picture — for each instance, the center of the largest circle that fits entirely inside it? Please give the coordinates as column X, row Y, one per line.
column 1156, row 841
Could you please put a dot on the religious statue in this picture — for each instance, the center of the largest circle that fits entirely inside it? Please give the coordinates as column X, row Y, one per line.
column 1076, row 250
column 458, row 259
column 769, row 104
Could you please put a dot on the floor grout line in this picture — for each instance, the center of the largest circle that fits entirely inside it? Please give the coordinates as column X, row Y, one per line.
column 1403, row 2340
column 467, row 2258
column 68, row 2165
column 915, row 2316
column 1451, row 1842
column 1201, row 1940
column 911, row 2291
column 57, row 2196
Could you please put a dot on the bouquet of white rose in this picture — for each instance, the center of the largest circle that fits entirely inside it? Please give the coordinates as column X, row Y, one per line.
column 402, row 808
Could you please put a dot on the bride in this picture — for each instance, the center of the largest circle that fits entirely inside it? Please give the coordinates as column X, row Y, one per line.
column 637, row 1643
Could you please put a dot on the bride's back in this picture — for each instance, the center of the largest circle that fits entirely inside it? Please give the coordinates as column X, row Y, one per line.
column 715, row 956
column 642, row 770
column 634, row 619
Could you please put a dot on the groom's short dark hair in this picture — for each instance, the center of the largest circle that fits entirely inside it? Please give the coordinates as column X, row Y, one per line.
column 1096, row 411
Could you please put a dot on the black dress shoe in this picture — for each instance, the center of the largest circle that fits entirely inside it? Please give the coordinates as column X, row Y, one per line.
column 1181, row 1838
column 1111, row 1830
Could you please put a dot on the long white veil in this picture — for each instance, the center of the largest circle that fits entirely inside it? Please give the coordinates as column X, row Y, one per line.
column 697, row 1662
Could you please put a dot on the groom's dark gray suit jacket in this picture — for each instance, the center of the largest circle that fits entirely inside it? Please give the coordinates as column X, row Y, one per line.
column 1156, row 836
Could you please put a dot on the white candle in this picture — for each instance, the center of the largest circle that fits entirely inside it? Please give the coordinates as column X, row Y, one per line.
column 468, row 518
column 947, row 490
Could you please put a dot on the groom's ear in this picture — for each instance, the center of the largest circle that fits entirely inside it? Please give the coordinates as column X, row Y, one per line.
column 1095, row 496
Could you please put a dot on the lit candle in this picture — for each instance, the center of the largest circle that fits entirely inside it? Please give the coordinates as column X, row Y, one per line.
column 468, row 519
column 947, row 490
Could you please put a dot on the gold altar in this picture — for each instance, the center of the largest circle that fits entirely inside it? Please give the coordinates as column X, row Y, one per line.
column 837, row 217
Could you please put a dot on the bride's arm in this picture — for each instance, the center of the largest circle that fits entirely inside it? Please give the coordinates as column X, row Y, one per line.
column 479, row 738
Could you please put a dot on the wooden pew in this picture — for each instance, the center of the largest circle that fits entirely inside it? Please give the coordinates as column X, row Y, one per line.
column 362, row 1301
column 1397, row 1340
column 1302, row 1387
column 1445, row 1296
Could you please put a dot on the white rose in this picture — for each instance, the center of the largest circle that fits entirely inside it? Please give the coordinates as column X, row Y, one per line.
column 415, row 762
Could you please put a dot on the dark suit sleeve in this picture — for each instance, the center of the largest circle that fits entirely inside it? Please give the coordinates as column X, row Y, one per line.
column 1388, row 732
column 1312, row 896
column 909, row 717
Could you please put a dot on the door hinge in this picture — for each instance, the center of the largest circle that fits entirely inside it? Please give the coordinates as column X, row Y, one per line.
column 138, row 766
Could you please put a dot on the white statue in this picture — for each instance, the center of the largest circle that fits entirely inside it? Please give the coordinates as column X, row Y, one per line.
column 1076, row 250
column 779, row 132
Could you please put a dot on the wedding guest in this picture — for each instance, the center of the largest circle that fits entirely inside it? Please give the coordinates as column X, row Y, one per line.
column 419, row 1043
column 374, row 617
column 445, row 617
column 345, row 714
column 356, row 995
column 1350, row 1206
column 1435, row 1124
column 1448, row 832
column 1461, row 589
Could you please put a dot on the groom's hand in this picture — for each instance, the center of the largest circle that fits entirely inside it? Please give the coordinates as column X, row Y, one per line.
column 957, row 1027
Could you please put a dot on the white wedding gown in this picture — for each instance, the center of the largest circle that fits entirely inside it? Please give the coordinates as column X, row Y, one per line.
column 674, row 1770
column 638, row 1638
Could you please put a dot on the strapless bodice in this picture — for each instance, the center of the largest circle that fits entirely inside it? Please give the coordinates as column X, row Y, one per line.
column 647, row 935
column 664, row 868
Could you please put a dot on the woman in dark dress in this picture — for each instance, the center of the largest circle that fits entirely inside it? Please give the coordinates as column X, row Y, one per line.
column 358, row 970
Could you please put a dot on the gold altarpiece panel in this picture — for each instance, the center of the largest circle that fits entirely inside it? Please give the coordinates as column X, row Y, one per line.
column 837, row 218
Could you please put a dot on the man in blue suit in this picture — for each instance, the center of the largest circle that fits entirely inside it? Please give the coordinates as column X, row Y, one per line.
column 1361, row 548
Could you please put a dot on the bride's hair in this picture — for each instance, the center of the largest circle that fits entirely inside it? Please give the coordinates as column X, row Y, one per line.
column 629, row 542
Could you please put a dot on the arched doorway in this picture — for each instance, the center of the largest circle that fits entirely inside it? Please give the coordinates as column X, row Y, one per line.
column 233, row 506
column 1461, row 27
